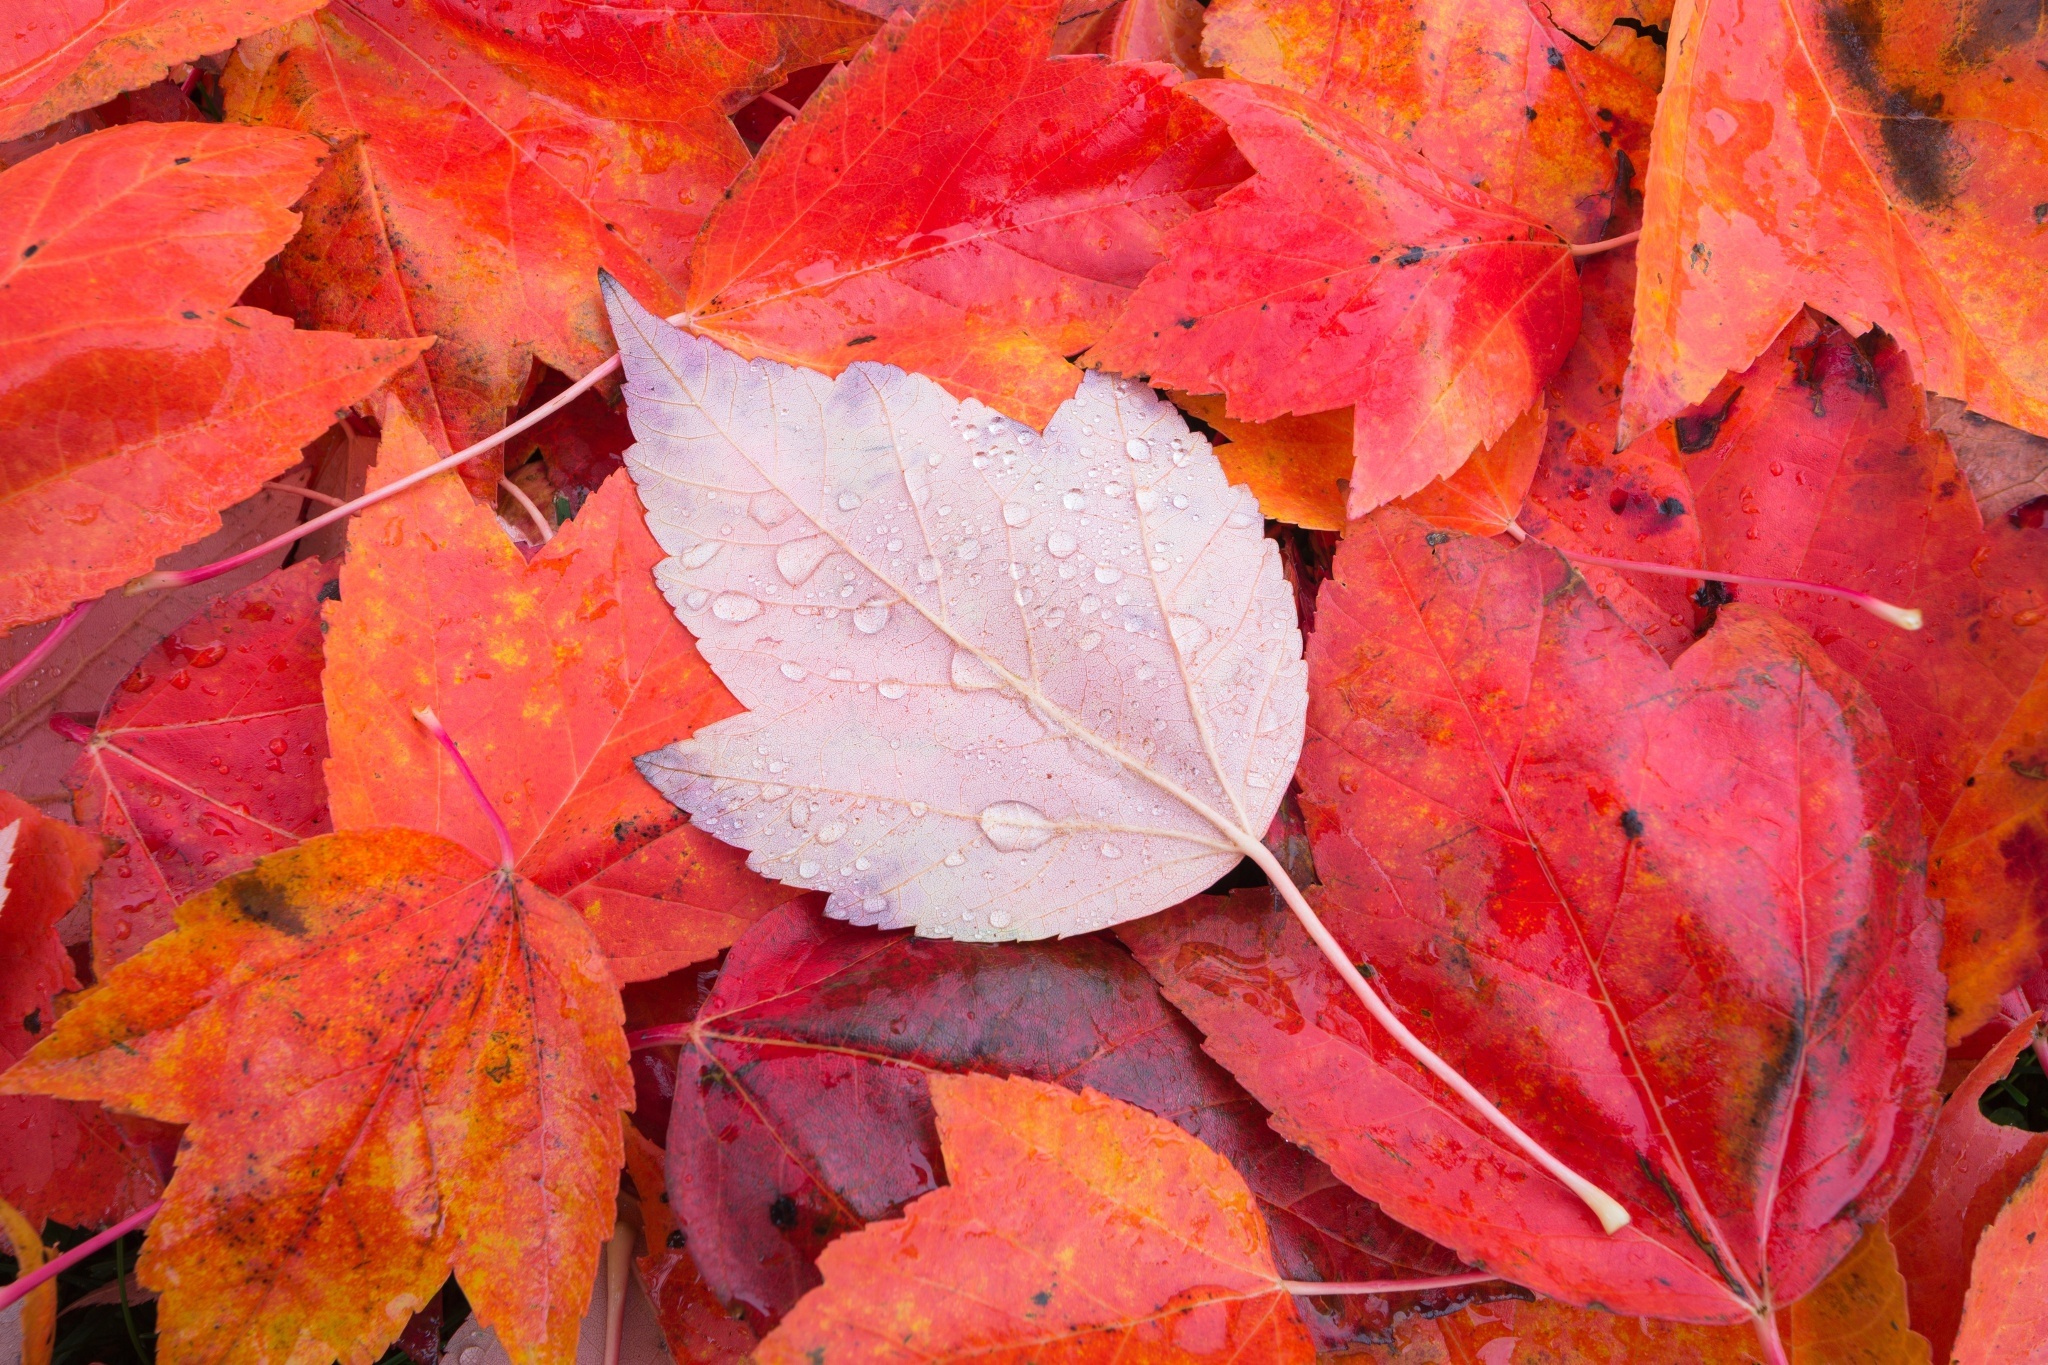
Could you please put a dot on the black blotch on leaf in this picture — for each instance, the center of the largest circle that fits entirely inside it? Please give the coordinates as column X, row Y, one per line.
column 1918, row 141
column 1632, row 824
column 1412, row 256
column 265, row 902
column 33, row 1021
column 861, row 341
column 1698, row 431
column 1436, row 538
column 330, row 591
column 677, row 1240
column 782, row 1213
column 1671, row 507
column 182, row 161
column 31, row 249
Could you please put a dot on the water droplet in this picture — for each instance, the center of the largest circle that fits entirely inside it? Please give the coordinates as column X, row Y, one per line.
column 1146, row 672
column 797, row 560
column 870, row 619
column 771, row 509
column 1148, row 500
column 700, row 554
column 794, row 672
column 955, row 859
column 1112, row 490
column 1258, row 781
column 799, row 813
column 1239, row 521
column 1015, row 827
column 1073, row 502
column 735, row 607
column 874, row 905
column 927, row 570
column 998, row 919
column 1025, row 438
column 1111, row 851
column 891, row 689
column 861, row 864
column 969, row 548
column 1015, row 514
column 773, row 791
column 807, row 869
column 831, row 832
column 1137, row 450
column 894, row 546
column 1059, row 544
column 841, row 675
column 1090, row 640
column 1179, row 502
column 933, row 459
column 1160, row 563
column 696, row 600
column 1107, row 573
column 918, row 809
column 848, row 501
column 970, row 673
column 1189, row 634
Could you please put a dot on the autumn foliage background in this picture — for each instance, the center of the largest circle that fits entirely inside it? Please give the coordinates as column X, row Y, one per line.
column 1735, row 894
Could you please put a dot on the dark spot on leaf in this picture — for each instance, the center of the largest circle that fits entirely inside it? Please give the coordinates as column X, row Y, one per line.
column 1365, row 969
column 1698, row 431
column 183, row 160
column 330, row 591
column 782, row 1213
column 677, row 1240
column 861, row 341
column 1671, row 507
column 1188, row 322
column 1555, row 58
column 1436, row 538
column 1632, row 824
column 2040, row 214
column 31, row 249
column 33, row 1021
column 189, row 315
column 1373, row 260
column 1918, row 142
column 1529, row 112
column 1044, row 1296
column 266, row 902
column 1411, row 256
column 1700, row 256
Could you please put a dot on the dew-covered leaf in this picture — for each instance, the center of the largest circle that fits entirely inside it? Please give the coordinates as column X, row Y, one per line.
column 1000, row 684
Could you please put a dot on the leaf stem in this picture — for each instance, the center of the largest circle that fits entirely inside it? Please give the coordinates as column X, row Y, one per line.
column 1767, row 1337
column 426, row 717
column 57, row 1265
column 1313, row 1288
column 1613, row 1217
column 1905, row 618
column 518, row 495
column 66, row 623
column 310, row 494
column 1595, row 248
column 662, row 1035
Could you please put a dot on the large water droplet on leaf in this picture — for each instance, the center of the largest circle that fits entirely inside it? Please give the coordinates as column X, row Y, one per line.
column 1015, row 827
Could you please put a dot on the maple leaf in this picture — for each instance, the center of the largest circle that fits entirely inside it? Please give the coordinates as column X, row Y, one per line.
column 1061, row 179
column 207, row 756
column 1490, row 92
column 1349, row 271
column 999, row 686
column 1880, row 162
column 2002, row 1313
column 556, row 672
column 561, row 137
column 1072, row 1224
column 62, row 58
column 1824, row 468
column 394, row 1059
column 1684, row 900
column 803, row 1090
column 63, row 1161
column 1971, row 1166
column 140, row 400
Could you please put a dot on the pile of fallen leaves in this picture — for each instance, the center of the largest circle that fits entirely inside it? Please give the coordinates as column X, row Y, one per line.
column 1006, row 679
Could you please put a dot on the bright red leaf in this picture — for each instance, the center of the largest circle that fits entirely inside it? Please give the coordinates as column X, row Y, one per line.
column 803, row 1103
column 1970, row 1167
column 2006, row 1310
column 1666, row 917
column 61, row 1160
column 207, row 757
column 140, row 400
column 1822, row 467
column 555, row 674
column 845, row 241
column 1349, row 271
column 1072, row 1227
